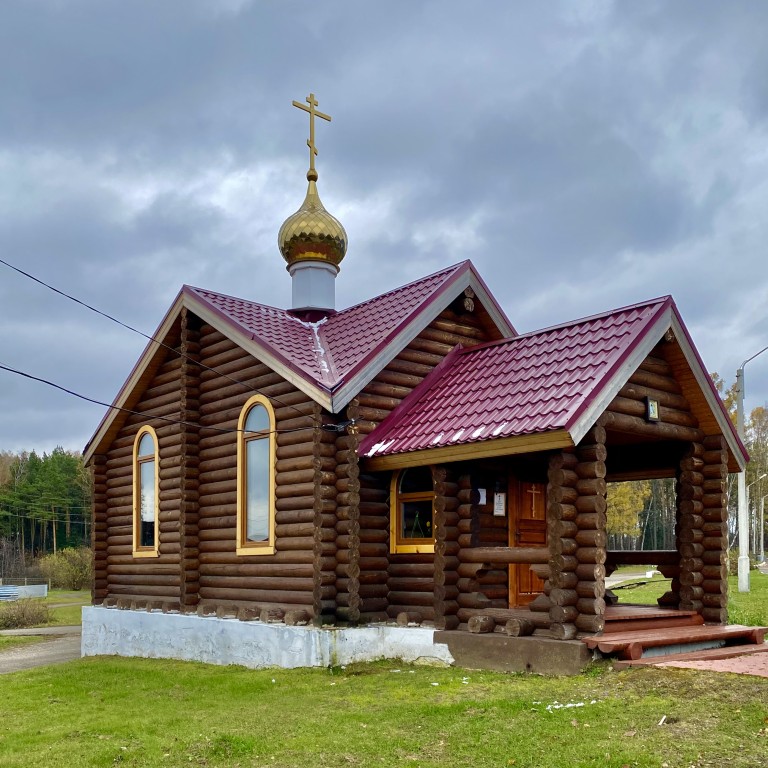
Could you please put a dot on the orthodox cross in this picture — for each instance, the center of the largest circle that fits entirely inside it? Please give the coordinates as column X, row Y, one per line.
column 312, row 101
column 533, row 490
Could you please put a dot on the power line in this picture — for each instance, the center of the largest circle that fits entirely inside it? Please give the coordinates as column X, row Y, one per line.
column 144, row 335
column 181, row 422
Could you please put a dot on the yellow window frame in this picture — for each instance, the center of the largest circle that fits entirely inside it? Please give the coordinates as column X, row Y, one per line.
column 137, row 549
column 243, row 546
column 397, row 544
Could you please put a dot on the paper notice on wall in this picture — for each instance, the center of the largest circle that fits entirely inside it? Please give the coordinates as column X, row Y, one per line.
column 499, row 504
column 482, row 499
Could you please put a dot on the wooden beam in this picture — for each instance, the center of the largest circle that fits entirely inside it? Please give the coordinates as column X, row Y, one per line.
column 494, row 555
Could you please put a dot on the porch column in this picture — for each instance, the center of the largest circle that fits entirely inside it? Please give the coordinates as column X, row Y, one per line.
column 591, row 537
column 561, row 532
column 689, row 533
column 715, row 529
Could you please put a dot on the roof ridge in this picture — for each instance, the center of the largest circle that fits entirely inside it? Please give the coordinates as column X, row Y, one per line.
column 598, row 315
column 446, row 270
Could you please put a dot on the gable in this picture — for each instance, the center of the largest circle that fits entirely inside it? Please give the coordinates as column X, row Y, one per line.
column 330, row 360
column 540, row 391
column 421, row 359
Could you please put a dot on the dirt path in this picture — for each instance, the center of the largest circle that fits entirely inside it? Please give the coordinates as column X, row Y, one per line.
column 63, row 645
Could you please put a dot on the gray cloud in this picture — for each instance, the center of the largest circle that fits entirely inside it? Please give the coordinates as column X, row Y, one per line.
column 584, row 155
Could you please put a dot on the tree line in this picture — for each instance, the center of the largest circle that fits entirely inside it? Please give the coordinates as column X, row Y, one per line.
column 45, row 501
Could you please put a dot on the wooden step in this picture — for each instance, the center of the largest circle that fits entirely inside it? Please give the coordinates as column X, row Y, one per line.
column 625, row 612
column 632, row 625
column 628, row 618
column 631, row 645
column 711, row 654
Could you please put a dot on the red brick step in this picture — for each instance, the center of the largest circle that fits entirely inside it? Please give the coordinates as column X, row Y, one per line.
column 710, row 654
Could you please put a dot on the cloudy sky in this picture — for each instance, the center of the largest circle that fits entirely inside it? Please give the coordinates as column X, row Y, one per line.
column 585, row 155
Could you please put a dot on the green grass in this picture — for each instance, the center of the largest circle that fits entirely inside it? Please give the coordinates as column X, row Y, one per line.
column 60, row 596
column 10, row 641
column 749, row 608
column 138, row 712
column 68, row 616
column 67, row 613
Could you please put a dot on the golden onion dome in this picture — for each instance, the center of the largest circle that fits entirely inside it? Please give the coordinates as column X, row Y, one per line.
column 312, row 234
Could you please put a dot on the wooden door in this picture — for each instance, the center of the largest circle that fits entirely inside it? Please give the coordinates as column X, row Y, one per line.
column 527, row 528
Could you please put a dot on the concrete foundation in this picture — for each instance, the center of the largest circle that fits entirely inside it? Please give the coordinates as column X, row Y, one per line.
column 155, row 635
column 255, row 644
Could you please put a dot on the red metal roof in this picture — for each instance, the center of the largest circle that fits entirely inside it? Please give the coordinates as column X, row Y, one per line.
column 331, row 350
column 533, row 383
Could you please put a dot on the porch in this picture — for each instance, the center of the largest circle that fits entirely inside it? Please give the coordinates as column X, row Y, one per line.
column 633, row 634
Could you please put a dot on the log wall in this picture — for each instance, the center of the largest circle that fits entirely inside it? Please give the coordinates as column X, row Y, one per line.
column 188, row 461
column 389, row 585
column 348, row 527
column 198, row 568
column 305, row 493
column 146, row 582
column 446, row 548
column 480, row 585
column 99, row 528
column 655, row 379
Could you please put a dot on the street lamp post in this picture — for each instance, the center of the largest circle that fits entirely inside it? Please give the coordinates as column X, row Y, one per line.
column 762, row 528
column 756, row 480
column 742, row 489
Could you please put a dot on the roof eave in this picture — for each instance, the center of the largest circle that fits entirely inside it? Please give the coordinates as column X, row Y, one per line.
column 265, row 354
column 735, row 446
column 604, row 391
column 505, row 446
column 187, row 298
column 152, row 348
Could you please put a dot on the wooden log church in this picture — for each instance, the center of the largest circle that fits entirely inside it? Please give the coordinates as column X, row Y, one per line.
column 410, row 463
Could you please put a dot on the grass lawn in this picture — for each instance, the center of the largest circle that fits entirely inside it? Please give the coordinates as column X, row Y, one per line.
column 138, row 712
column 749, row 608
column 67, row 613
column 10, row 641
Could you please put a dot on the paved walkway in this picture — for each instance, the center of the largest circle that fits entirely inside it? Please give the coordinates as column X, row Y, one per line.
column 63, row 645
column 755, row 664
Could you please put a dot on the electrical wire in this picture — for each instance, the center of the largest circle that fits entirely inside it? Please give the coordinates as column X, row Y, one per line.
column 166, row 419
column 144, row 335
column 340, row 427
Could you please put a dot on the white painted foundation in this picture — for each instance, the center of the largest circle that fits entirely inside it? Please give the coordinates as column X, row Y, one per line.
column 113, row 632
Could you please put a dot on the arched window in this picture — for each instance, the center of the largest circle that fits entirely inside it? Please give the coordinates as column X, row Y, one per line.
column 256, row 478
column 146, row 496
column 412, row 498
